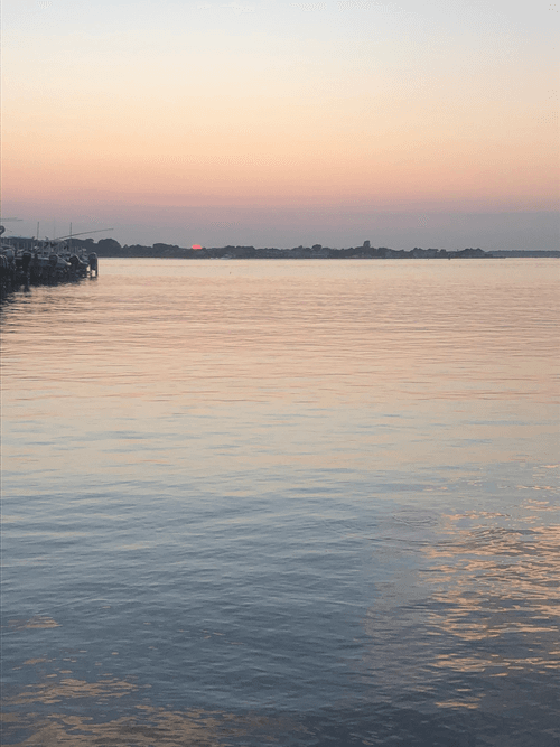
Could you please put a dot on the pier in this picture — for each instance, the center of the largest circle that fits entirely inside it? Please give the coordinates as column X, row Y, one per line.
column 28, row 261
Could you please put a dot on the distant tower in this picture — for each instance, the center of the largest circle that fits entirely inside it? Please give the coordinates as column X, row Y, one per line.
column 367, row 244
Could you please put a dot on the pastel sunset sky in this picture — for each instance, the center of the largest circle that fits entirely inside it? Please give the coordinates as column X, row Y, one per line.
column 430, row 124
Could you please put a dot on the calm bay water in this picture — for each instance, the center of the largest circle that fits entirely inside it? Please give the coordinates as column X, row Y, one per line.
column 298, row 503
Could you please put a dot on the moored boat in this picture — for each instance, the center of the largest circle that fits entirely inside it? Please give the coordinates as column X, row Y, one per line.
column 26, row 260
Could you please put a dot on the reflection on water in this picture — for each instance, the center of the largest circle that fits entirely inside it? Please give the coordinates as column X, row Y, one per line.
column 145, row 726
column 484, row 591
column 289, row 503
column 37, row 621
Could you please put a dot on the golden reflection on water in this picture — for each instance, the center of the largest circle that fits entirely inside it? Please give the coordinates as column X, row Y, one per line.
column 37, row 621
column 144, row 726
column 281, row 332
column 166, row 343
column 482, row 599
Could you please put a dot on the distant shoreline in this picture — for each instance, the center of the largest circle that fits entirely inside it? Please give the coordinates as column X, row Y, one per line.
column 285, row 255
column 109, row 248
column 112, row 248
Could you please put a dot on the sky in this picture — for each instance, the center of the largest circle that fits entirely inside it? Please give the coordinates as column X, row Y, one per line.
column 415, row 123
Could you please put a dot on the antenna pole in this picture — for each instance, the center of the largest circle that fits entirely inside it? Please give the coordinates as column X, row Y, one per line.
column 102, row 230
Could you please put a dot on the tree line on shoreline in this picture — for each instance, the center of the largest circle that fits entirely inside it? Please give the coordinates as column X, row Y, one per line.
column 112, row 248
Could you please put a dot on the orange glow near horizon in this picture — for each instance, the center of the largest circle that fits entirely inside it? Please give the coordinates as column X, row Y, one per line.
column 340, row 110
column 336, row 158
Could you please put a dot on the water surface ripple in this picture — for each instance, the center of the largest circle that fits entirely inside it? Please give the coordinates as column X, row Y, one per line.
column 301, row 503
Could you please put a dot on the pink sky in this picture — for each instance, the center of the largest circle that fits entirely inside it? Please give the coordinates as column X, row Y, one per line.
column 212, row 122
